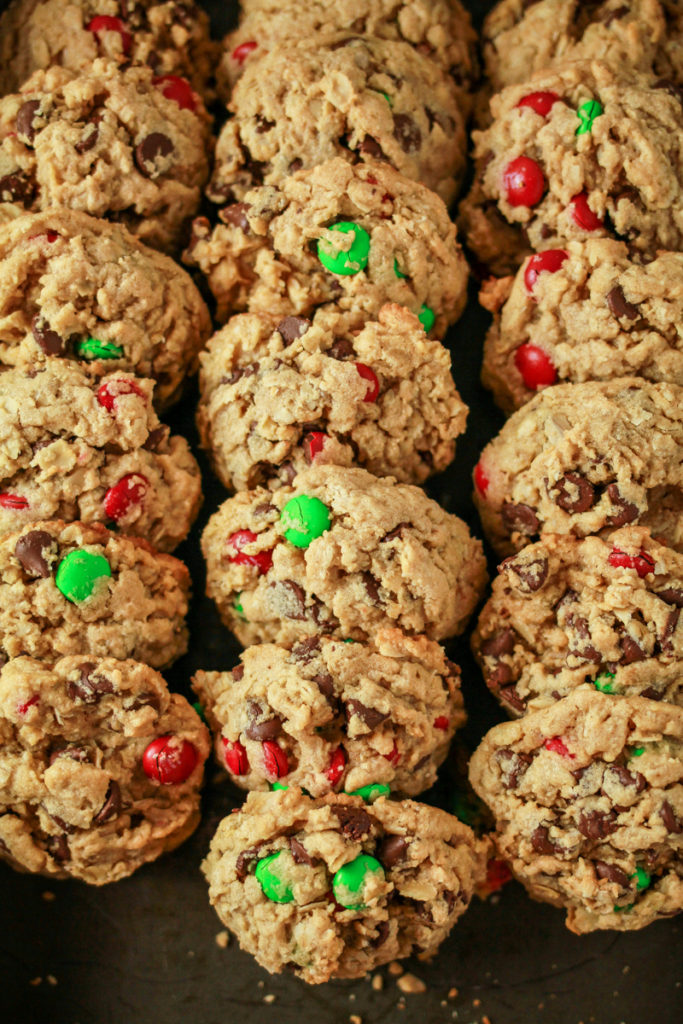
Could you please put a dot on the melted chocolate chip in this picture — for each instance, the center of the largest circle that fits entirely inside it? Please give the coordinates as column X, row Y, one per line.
column 631, row 650
column 502, row 642
column 90, row 687
column 668, row 816
column 573, row 493
column 145, row 700
column 26, row 130
column 672, row 595
column 16, row 188
column 618, row 305
column 626, row 510
column 407, row 133
column 264, row 730
column 29, row 552
column 247, row 860
column 236, row 214
column 382, row 935
column 112, row 804
column 354, row 822
column 611, row 872
column 58, row 848
column 510, row 696
column 396, row 533
column 369, row 716
column 154, row 147
column 540, row 840
column 531, row 574
column 519, row 518
column 627, row 778
column 391, row 851
column 371, row 147
column 499, row 676
column 51, row 343
column 299, row 853
column 292, row 327
column 597, row 824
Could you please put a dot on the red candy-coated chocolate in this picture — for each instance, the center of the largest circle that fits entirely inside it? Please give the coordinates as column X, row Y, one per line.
column 177, row 89
column 541, row 102
column 394, row 757
column 13, row 501
column 441, row 723
column 583, row 215
column 274, row 760
column 524, row 182
column 241, row 52
column 236, row 759
column 373, row 384
column 550, row 260
column 642, row 563
column 168, row 761
column 315, row 442
column 129, row 491
column 481, row 481
column 535, row 366
column 498, row 874
column 107, row 23
column 107, row 398
column 51, row 236
column 336, row 766
column 262, row 560
column 557, row 746
column 22, row 709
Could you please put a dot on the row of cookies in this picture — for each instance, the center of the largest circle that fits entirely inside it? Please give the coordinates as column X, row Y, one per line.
column 581, row 490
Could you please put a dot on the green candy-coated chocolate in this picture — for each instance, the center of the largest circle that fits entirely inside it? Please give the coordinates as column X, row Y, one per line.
column 604, row 683
column 94, row 349
column 636, row 751
column 586, row 114
column 304, row 519
column 273, row 886
column 238, row 605
column 199, row 708
column 623, row 910
column 349, row 882
column 398, row 272
column 277, row 786
column 642, row 879
column 348, row 261
column 372, row 792
column 78, row 572
column 427, row 318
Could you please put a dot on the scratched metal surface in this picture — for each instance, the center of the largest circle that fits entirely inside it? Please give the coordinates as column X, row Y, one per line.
column 144, row 950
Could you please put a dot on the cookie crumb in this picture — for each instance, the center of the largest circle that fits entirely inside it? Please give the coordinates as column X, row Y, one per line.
column 485, row 1020
column 270, row 998
column 395, row 968
column 352, row 996
column 453, row 993
column 377, row 982
column 222, row 939
column 48, row 896
column 476, row 1002
column 355, row 1019
column 51, row 980
column 36, row 981
column 408, row 983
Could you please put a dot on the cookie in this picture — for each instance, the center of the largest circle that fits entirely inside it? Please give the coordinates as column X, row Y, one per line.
column 73, row 448
column 340, row 552
column 106, row 142
column 79, row 589
column 581, row 458
column 279, row 394
column 328, row 715
column 100, row 765
column 86, row 289
column 358, row 235
column 593, row 612
column 581, row 151
column 588, row 311
column 340, row 95
column 588, row 800
column 170, row 38
column 438, row 29
column 328, row 888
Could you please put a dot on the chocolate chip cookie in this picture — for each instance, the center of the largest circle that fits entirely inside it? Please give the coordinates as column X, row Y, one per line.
column 581, row 458
column 358, row 235
column 85, row 289
column 587, row 311
column 593, row 612
column 328, row 715
column 329, row 889
column 100, row 767
column 106, row 142
column 79, row 589
column 352, row 96
column 343, row 553
column 581, row 151
column 74, row 448
column 588, row 800
column 278, row 394
column 171, row 38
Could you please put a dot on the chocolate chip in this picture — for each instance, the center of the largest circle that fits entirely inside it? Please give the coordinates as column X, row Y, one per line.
column 25, row 121
column 292, row 327
column 145, row 700
column 237, row 673
column 51, row 343
column 112, row 804
column 242, row 371
column 295, row 165
column 510, row 696
column 156, row 438
column 341, row 349
column 90, row 687
column 626, row 510
column 371, row 588
column 574, row 493
column 236, row 214
column 299, row 853
column 382, row 935
column 392, row 850
column 354, row 822
column 16, row 188
column 531, row 574
column 499, row 676
column 88, row 141
column 611, row 872
column 263, row 125
column 597, row 824
column 614, row 15
column 324, row 682
column 502, row 642
column 627, row 778
column 668, row 816
column 669, row 630
column 246, row 861
column 153, row 148
column 295, row 599
column 519, row 518
column 58, row 848
column 618, row 305
column 546, row 232
column 672, row 595
column 652, row 694
column 631, row 650
column 407, row 133
column 268, row 729
column 540, row 840
column 371, row 147
column 396, row 533
column 74, row 753
column 305, row 650
column 512, row 765
column 369, row 716
column 29, row 552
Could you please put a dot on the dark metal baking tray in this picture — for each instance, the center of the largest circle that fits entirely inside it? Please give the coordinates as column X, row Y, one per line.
column 143, row 951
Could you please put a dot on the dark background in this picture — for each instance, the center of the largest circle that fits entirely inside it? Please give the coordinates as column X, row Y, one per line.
column 143, row 951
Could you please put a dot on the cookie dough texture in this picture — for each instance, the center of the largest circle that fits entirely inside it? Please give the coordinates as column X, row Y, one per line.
column 66, row 455
column 438, row 29
column 390, row 557
column 588, row 800
column 431, row 865
column 628, row 167
column 74, row 799
column 274, row 391
column 263, row 255
column 601, row 315
column 66, row 277
column 581, row 458
column 307, row 101
column 108, row 143
column 170, row 38
column 562, row 615
column 345, row 715
column 138, row 611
